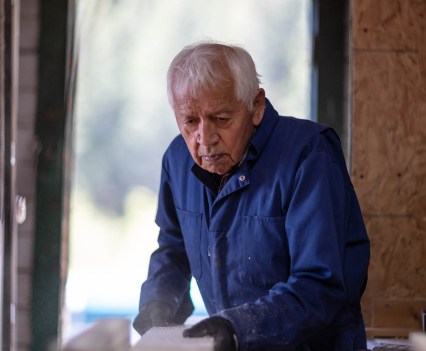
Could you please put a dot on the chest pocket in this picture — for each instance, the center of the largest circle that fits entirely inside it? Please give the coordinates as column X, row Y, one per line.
column 265, row 250
column 190, row 225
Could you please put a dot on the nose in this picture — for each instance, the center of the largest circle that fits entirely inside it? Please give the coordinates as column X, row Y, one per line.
column 207, row 134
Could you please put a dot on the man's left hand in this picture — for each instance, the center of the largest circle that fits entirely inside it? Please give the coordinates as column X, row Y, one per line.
column 220, row 328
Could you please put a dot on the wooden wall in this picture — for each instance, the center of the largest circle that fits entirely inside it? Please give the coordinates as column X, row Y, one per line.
column 27, row 153
column 388, row 49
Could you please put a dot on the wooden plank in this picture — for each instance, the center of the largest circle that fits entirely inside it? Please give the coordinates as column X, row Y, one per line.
column 9, row 47
column 418, row 340
column 108, row 334
column 375, row 333
column 171, row 339
column 52, row 128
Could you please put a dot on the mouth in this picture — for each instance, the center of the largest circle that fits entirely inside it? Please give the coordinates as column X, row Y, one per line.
column 210, row 158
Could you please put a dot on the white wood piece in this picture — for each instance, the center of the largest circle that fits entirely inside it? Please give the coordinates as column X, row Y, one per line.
column 418, row 340
column 108, row 334
column 171, row 339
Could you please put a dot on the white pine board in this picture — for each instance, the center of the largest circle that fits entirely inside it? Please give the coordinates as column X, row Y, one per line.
column 418, row 340
column 107, row 334
column 171, row 339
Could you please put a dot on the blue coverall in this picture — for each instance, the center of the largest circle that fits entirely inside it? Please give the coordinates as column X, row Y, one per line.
column 281, row 251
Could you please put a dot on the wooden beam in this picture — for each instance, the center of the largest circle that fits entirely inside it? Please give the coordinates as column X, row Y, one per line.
column 9, row 83
column 52, row 129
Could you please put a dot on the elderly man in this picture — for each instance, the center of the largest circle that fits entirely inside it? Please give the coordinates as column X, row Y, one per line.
column 260, row 210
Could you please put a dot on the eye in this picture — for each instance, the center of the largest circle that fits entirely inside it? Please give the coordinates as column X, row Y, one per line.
column 223, row 117
column 190, row 123
column 222, row 121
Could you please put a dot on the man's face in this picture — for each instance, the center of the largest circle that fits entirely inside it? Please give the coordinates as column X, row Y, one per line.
column 216, row 127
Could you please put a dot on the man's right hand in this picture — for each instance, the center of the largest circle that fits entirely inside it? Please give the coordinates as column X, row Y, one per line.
column 154, row 314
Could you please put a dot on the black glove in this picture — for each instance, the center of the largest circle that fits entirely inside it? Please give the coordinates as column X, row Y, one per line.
column 154, row 314
column 220, row 328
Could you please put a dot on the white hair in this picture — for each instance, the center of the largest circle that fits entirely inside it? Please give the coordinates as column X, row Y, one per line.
column 208, row 65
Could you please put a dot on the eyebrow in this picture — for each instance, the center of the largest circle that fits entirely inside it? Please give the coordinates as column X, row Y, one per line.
column 219, row 111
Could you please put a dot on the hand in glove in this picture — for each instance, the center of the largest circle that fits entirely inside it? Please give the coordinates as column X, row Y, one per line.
column 221, row 330
column 154, row 314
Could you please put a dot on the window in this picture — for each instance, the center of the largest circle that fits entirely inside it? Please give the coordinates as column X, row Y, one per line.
column 124, row 124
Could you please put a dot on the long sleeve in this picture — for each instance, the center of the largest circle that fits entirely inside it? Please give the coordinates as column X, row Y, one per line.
column 169, row 273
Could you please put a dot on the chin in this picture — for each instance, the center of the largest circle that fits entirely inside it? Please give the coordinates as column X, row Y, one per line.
column 217, row 169
column 214, row 170
column 220, row 171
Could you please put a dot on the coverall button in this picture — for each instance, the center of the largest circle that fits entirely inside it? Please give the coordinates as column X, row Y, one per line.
column 242, row 178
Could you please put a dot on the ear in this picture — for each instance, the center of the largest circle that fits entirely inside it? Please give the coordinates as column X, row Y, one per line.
column 258, row 107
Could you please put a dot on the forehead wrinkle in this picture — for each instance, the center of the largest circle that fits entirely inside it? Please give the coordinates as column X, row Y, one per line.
column 185, row 105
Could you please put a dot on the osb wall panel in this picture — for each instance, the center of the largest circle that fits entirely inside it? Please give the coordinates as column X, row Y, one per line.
column 389, row 156
column 389, row 132
column 408, row 310
column 398, row 248
column 388, row 24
